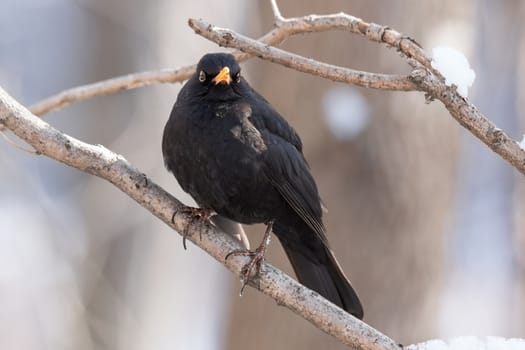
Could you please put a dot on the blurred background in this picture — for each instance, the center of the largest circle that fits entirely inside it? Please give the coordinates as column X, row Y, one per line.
column 427, row 221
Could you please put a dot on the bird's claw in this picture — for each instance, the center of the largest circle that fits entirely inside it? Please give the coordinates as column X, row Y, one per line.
column 257, row 258
column 200, row 215
column 252, row 269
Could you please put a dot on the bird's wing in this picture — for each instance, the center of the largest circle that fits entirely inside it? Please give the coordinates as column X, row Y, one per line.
column 288, row 171
column 268, row 118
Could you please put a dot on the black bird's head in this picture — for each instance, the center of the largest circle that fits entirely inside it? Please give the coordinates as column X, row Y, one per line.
column 219, row 76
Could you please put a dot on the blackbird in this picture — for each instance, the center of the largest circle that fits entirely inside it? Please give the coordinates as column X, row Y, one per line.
column 237, row 157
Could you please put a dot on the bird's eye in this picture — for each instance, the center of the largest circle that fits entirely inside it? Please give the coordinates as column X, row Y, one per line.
column 237, row 77
column 202, row 76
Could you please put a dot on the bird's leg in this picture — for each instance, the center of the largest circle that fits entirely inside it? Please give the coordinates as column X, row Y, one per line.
column 254, row 267
column 202, row 215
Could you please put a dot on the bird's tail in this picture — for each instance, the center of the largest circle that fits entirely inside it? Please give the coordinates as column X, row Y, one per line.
column 317, row 268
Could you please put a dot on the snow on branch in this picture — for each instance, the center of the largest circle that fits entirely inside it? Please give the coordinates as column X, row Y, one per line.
column 455, row 68
column 470, row 342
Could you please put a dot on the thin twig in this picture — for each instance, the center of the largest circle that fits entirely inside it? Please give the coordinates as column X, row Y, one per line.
column 17, row 146
column 112, row 167
column 277, row 17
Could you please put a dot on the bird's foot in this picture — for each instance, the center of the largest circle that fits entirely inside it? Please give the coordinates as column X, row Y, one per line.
column 197, row 215
column 253, row 269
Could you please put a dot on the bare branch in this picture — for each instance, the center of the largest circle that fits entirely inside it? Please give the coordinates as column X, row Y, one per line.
column 112, row 167
column 471, row 119
column 229, row 38
column 110, row 86
column 423, row 79
column 372, row 31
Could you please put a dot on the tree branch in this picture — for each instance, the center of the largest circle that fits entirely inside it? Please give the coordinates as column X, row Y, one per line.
column 471, row 118
column 228, row 38
column 110, row 86
column 424, row 78
column 112, row 167
column 372, row 31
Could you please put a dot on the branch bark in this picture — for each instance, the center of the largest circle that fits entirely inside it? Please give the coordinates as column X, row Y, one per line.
column 110, row 86
column 101, row 162
column 229, row 38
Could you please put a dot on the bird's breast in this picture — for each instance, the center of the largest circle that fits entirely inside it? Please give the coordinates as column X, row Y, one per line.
column 222, row 153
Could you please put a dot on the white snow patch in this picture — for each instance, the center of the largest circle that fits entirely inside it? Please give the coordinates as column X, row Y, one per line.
column 522, row 143
column 346, row 112
column 455, row 68
column 471, row 343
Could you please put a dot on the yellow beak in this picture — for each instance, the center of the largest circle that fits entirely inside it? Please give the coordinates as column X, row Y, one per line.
column 223, row 76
